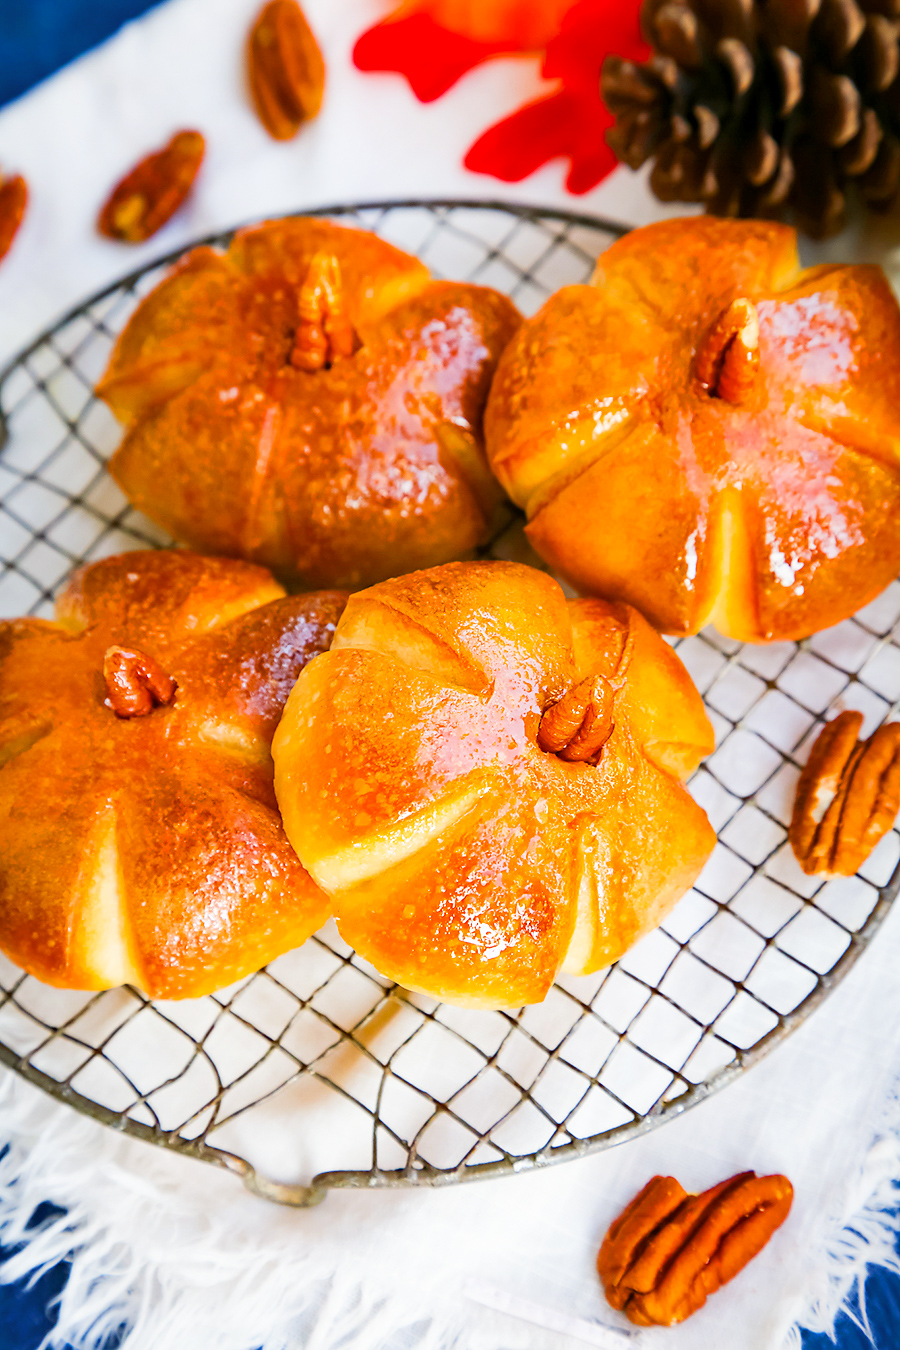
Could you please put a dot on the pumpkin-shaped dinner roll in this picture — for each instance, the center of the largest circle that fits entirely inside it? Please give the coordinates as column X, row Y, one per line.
column 311, row 400
column 710, row 433
column 487, row 780
column 140, row 842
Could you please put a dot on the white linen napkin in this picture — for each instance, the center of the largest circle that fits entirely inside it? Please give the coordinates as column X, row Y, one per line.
column 183, row 1252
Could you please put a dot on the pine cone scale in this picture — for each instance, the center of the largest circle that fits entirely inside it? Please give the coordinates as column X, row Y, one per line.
column 859, row 154
column 789, row 68
column 678, row 35
column 841, row 24
column 735, row 56
column 879, row 55
column 836, row 107
column 761, row 159
column 708, row 125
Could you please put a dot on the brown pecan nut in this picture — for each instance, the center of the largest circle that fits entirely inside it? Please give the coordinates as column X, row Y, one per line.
column 727, row 363
column 324, row 332
column 668, row 1250
column 13, row 201
column 287, row 72
column 579, row 725
column 847, row 798
column 135, row 682
column 153, row 191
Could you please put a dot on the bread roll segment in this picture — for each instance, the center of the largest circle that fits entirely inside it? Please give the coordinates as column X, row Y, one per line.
column 148, row 849
column 336, row 472
column 766, row 506
column 463, row 860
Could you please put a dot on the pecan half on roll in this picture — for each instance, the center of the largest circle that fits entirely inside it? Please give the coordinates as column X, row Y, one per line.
column 847, row 798
column 579, row 725
column 135, row 682
column 668, row 1250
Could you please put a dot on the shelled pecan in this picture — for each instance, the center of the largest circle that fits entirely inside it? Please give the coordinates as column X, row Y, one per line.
column 668, row 1250
column 287, row 72
column 579, row 725
column 847, row 798
column 727, row 363
column 13, row 201
column 152, row 192
column 135, row 682
column 324, row 331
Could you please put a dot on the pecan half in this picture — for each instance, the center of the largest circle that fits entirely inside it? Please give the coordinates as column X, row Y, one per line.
column 135, row 682
column 153, row 191
column 847, row 798
column 579, row 725
column 727, row 361
column 13, row 201
column 324, row 331
column 668, row 1250
column 287, row 72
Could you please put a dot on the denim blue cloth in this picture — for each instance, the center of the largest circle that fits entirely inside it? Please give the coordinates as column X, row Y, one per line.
column 37, row 37
column 25, row 1319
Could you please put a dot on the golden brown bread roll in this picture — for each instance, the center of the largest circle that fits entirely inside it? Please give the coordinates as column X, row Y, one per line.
column 463, row 859
column 710, row 433
column 311, row 400
column 140, row 841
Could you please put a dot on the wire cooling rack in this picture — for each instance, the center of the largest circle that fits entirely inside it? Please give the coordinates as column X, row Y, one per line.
column 317, row 1072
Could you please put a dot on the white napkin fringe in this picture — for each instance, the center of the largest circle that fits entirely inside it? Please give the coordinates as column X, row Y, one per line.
column 143, row 1254
column 203, row 1285
column 866, row 1236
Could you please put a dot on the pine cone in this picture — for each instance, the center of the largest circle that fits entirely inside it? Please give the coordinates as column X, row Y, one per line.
column 758, row 107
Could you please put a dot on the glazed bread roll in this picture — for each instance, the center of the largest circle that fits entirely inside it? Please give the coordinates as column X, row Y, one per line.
column 140, row 842
column 708, row 432
column 487, row 780
column 311, row 400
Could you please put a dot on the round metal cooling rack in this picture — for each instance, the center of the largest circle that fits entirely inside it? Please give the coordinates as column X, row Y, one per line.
column 317, row 1072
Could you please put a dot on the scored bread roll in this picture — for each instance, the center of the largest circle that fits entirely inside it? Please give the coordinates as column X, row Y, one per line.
column 311, row 400
column 464, row 860
column 140, row 842
column 708, row 432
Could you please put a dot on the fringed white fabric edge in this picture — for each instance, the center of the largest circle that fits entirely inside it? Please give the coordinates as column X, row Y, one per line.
column 162, row 1287
column 865, row 1235
column 203, row 1285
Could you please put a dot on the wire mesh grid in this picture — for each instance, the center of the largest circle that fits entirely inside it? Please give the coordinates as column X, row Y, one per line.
column 318, row 1072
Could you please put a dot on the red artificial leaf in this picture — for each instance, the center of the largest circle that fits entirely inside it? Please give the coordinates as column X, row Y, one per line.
column 431, row 58
column 550, row 128
column 434, row 42
column 522, row 25
column 572, row 123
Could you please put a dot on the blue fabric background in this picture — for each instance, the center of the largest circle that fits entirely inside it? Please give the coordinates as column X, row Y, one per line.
column 37, row 37
column 26, row 1315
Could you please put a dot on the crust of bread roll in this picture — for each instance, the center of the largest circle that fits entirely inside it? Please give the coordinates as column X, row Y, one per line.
column 463, row 860
column 148, row 850
column 369, row 467
column 772, row 517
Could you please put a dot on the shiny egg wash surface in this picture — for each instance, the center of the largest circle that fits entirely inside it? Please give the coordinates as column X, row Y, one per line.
column 709, row 432
column 463, row 859
column 311, row 400
column 140, row 841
